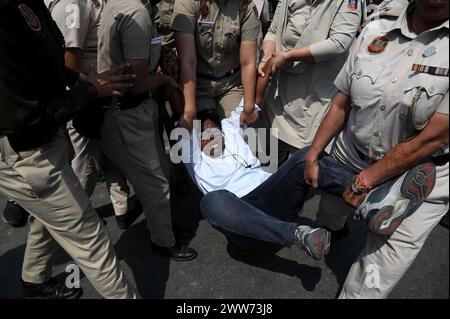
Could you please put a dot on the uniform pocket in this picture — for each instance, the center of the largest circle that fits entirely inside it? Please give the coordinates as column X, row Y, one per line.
column 422, row 95
column 230, row 41
column 205, row 36
column 364, row 80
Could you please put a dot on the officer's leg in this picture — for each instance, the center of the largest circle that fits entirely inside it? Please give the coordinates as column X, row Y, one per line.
column 86, row 163
column 44, row 184
column 117, row 187
column 230, row 100
column 384, row 261
column 41, row 247
column 130, row 139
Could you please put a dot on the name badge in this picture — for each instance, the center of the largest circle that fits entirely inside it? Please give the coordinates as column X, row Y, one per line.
column 208, row 24
column 157, row 40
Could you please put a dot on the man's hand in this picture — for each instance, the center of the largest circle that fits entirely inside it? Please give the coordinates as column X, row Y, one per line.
column 114, row 82
column 187, row 121
column 249, row 118
column 312, row 171
column 357, row 191
column 279, row 59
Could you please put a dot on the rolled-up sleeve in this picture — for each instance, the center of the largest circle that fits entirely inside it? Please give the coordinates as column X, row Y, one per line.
column 342, row 33
column 184, row 16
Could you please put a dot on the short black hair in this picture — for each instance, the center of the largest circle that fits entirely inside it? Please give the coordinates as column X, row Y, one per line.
column 210, row 114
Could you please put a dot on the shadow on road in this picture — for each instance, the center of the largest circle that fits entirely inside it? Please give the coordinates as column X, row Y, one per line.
column 150, row 271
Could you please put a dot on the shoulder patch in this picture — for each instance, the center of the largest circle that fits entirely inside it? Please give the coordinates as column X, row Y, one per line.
column 30, row 17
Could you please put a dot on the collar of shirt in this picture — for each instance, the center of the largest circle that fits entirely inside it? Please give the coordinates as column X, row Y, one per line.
column 402, row 23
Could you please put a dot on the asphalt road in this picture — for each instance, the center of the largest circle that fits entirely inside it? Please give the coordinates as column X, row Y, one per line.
column 219, row 273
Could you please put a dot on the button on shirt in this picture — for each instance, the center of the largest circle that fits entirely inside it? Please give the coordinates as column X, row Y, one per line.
column 219, row 33
column 78, row 21
column 237, row 170
column 390, row 101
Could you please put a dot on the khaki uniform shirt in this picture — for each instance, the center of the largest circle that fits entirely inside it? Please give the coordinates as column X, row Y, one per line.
column 298, row 96
column 218, row 35
column 78, row 21
column 394, row 92
column 125, row 33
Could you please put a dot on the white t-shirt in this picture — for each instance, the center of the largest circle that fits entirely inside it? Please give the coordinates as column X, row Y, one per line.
column 237, row 170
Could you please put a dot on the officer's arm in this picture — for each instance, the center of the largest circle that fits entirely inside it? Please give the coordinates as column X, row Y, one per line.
column 269, row 44
column 248, row 74
column 341, row 35
column 184, row 23
column 73, row 59
column 432, row 138
column 188, row 70
column 331, row 125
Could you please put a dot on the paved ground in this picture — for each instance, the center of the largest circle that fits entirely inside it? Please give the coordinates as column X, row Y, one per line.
column 218, row 273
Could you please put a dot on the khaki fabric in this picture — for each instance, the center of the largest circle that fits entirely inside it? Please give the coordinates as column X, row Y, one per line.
column 298, row 96
column 42, row 182
column 130, row 140
column 125, row 32
column 89, row 163
column 221, row 95
column 390, row 101
column 78, row 21
column 218, row 36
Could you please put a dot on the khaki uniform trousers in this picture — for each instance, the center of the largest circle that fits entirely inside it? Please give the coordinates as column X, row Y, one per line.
column 384, row 261
column 130, row 140
column 224, row 95
column 89, row 162
column 43, row 183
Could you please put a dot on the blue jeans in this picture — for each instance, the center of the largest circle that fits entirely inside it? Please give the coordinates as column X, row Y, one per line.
column 268, row 212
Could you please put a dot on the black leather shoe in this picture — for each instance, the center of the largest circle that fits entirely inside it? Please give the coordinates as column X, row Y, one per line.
column 125, row 221
column 177, row 252
column 50, row 290
column 14, row 215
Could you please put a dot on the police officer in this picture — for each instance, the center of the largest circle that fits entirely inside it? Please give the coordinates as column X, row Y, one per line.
column 130, row 129
column 34, row 167
column 79, row 21
column 394, row 101
column 218, row 65
column 309, row 41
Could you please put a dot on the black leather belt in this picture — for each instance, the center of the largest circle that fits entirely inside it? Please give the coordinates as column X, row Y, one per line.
column 130, row 101
column 212, row 78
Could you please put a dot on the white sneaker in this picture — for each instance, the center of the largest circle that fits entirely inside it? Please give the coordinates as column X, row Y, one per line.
column 315, row 241
column 388, row 205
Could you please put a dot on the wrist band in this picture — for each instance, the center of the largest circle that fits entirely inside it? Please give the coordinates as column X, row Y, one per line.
column 363, row 181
